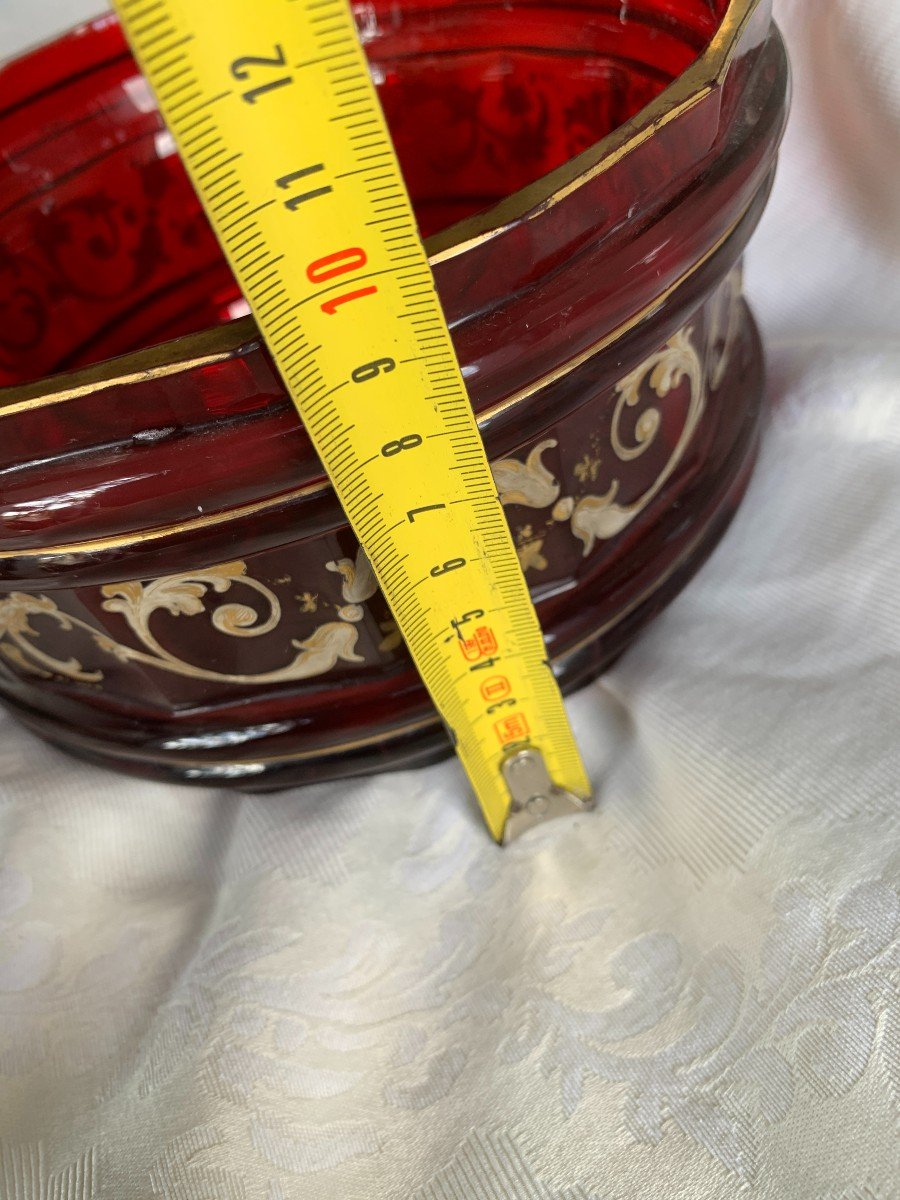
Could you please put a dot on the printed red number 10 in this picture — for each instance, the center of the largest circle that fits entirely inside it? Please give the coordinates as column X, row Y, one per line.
column 332, row 266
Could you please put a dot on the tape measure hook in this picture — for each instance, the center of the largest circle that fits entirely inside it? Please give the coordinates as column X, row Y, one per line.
column 535, row 797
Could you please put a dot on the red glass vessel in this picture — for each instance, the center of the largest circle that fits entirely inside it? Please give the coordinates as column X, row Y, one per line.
column 179, row 592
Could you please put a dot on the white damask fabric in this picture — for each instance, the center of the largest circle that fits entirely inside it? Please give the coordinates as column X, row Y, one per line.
column 347, row 992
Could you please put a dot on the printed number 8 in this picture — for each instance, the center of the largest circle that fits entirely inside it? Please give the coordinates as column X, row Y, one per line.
column 405, row 443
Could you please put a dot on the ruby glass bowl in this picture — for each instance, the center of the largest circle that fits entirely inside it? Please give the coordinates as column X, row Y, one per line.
column 180, row 594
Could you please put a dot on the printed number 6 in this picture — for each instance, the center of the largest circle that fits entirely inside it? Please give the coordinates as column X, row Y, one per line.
column 453, row 565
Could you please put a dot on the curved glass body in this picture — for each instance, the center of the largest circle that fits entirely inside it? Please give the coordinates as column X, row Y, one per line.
column 179, row 593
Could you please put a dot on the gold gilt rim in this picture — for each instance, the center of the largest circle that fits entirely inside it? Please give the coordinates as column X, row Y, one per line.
column 692, row 86
column 215, row 345
column 322, row 486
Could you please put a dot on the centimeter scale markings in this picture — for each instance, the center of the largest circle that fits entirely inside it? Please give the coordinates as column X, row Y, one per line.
column 278, row 122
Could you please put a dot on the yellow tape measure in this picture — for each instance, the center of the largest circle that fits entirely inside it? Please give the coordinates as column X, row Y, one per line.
column 280, row 127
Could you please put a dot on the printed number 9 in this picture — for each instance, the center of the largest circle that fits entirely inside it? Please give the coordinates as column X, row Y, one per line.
column 381, row 366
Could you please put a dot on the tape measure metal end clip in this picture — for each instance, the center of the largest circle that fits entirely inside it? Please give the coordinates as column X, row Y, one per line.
column 535, row 797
